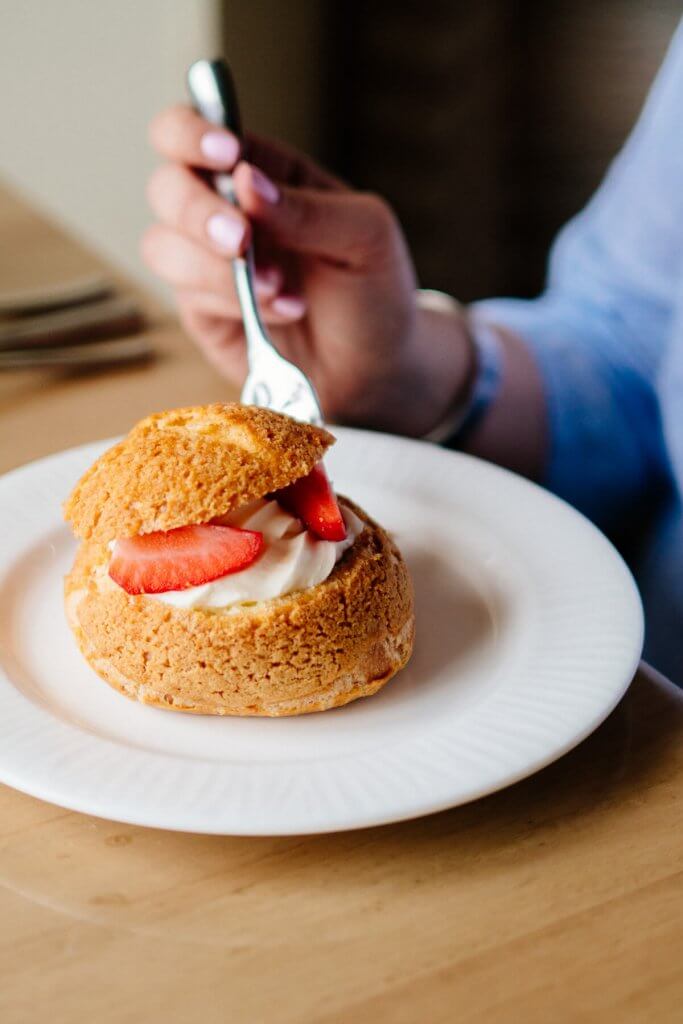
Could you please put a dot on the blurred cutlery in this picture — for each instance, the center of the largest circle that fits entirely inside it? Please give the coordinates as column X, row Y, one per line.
column 106, row 318
column 57, row 296
column 123, row 350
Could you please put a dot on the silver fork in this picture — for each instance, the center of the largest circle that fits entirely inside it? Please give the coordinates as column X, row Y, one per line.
column 272, row 380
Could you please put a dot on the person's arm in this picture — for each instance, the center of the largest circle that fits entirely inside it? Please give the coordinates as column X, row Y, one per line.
column 599, row 333
column 576, row 407
column 336, row 288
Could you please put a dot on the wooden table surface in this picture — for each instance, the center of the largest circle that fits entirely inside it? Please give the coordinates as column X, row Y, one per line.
column 559, row 899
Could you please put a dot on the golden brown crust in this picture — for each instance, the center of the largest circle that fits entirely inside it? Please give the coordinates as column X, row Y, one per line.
column 316, row 649
column 189, row 466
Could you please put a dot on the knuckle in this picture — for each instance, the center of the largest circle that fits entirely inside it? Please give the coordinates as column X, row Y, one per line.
column 303, row 214
column 190, row 318
column 170, row 130
column 186, row 302
column 378, row 219
column 181, row 196
column 173, row 195
column 162, row 251
column 216, row 275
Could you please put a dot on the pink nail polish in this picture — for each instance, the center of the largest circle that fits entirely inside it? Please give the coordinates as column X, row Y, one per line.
column 267, row 281
column 226, row 232
column 264, row 186
column 289, row 306
column 220, row 147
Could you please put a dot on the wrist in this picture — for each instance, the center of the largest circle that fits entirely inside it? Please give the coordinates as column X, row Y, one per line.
column 430, row 371
column 447, row 358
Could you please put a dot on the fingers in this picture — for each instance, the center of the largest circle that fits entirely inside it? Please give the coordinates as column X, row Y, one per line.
column 196, row 272
column 183, row 136
column 184, row 263
column 287, row 165
column 279, row 311
column 183, row 202
column 219, row 339
column 352, row 229
column 198, row 230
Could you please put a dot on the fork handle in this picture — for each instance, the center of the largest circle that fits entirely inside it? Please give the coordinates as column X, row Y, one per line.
column 214, row 95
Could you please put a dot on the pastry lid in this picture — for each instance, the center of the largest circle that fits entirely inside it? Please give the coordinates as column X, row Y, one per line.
column 190, row 465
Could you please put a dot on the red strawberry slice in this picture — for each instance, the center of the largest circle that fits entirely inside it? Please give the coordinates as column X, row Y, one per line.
column 312, row 500
column 153, row 563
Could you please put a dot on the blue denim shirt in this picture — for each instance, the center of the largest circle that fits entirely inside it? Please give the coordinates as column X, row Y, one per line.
column 607, row 335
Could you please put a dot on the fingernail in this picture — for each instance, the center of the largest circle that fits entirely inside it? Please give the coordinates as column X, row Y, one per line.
column 267, row 280
column 227, row 232
column 220, row 147
column 289, row 306
column 264, row 186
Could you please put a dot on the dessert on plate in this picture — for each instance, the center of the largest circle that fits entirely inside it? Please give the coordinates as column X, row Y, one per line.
column 219, row 574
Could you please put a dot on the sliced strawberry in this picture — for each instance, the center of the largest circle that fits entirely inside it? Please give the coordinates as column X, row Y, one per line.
column 312, row 500
column 186, row 557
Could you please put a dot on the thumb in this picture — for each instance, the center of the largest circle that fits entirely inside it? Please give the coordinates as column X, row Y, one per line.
column 354, row 229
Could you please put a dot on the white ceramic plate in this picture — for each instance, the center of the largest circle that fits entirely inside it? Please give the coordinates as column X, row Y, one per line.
column 529, row 630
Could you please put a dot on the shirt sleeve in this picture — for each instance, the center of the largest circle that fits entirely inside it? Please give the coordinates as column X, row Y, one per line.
column 600, row 330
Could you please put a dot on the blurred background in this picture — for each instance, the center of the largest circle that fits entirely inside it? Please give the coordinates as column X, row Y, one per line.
column 485, row 124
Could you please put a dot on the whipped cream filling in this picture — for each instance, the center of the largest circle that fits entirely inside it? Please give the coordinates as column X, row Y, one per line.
column 292, row 559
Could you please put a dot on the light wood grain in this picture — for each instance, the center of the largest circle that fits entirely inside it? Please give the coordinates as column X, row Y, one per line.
column 560, row 899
